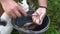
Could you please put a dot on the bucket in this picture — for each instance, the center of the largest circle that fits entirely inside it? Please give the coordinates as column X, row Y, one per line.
column 18, row 24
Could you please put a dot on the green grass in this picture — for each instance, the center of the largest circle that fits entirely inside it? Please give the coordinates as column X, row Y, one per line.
column 53, row 12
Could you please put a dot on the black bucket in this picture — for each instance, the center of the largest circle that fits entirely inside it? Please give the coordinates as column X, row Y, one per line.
column 39, row 29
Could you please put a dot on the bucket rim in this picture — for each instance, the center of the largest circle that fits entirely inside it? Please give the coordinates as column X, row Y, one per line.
column 29, row 31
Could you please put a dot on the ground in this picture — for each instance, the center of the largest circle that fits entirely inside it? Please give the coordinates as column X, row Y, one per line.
column 53, row 11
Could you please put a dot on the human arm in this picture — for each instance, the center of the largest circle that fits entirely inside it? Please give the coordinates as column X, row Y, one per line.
column 12, row 9
column 41, row 12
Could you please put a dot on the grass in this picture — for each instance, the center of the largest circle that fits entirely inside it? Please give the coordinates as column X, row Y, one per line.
column 53, row 12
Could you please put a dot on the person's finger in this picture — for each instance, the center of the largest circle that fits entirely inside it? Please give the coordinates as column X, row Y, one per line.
column 22, row 11
column 9, row 15
column 18, row 3
column 17, row 13
column 33, row 18
column 41, row 18
column 12, row 15
column 37, row 20
column 34, row 14
column 41, row 22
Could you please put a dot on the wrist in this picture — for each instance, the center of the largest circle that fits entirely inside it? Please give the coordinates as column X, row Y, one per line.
column 43, row 7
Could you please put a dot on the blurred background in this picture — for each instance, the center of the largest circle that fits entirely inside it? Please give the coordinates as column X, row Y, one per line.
column 53, row 12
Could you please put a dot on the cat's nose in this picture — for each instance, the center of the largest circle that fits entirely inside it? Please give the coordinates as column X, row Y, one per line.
column 3, row 23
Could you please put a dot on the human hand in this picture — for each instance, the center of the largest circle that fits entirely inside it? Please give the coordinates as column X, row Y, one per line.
column 12, row 9
column 39, row 15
